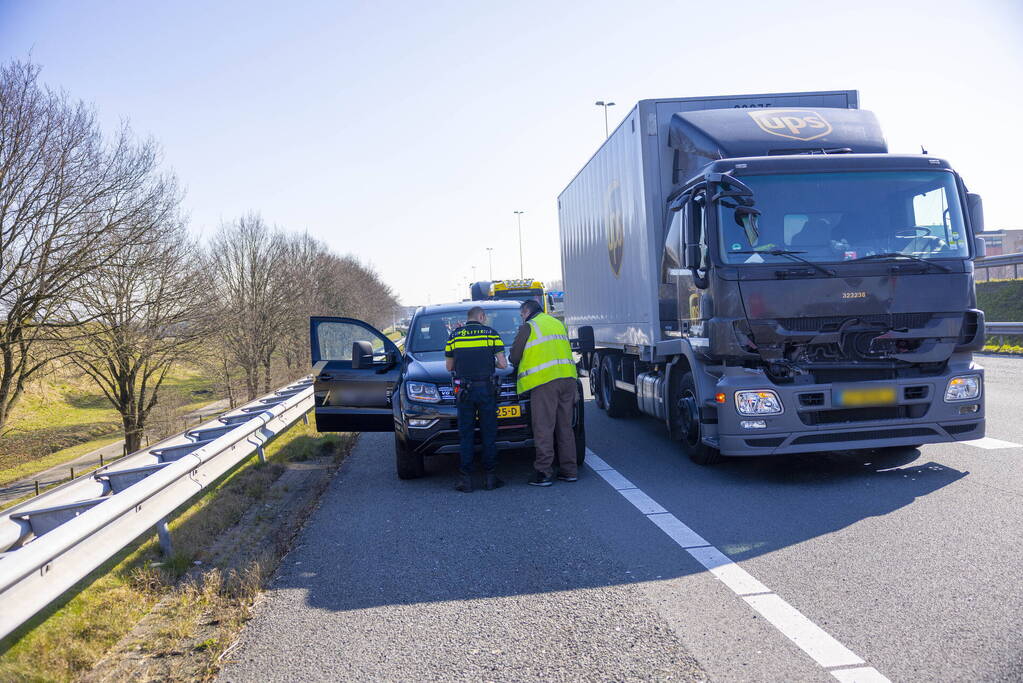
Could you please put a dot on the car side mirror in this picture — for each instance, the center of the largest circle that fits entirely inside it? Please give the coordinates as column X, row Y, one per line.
column 975, row 205
column 979, row 247
column 362, row 355
column 692, row 257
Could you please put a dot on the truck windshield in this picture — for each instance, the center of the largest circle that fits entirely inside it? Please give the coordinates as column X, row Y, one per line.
column 520, row 294
column 834, row 217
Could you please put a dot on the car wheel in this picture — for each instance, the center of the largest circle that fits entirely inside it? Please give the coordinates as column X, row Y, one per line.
column 617, row 402
column 690, row 427
column 409, row 464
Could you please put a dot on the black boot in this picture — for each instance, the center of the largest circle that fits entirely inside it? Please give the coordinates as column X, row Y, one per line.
column 464, row 483
column 491, row 481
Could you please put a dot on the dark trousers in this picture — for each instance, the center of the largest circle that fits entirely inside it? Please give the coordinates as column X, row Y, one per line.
column 552, row 405
column 477, row 400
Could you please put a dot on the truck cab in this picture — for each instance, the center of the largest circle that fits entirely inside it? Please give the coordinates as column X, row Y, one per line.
column 769, row 279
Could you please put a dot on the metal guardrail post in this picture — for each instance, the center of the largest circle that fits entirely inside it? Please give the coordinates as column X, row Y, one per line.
column 165, row 539
column 262, row 455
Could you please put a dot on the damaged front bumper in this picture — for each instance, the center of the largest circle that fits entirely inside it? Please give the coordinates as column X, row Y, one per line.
column 813, row 419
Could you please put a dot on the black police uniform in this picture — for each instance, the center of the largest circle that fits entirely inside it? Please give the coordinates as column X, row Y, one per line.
column 474, row 346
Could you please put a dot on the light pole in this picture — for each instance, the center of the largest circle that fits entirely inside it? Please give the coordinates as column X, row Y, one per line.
column 519, row 215
column 605, row 105
column 490, row 261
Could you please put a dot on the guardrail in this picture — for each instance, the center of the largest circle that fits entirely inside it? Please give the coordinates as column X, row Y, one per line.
column 54, row 540
column 996, row 329
column 1001, row 260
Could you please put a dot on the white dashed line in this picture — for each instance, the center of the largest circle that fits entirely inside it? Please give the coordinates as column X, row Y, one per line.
column 810, row 638
column 987, row 443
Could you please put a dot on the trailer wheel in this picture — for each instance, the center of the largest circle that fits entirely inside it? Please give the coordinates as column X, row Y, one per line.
column 595, row 389
column 409, row 464
column 618, row 403
column 689, row 424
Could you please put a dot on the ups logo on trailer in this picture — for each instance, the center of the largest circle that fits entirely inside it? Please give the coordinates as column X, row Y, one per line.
column 795, row 124
column 614, row 226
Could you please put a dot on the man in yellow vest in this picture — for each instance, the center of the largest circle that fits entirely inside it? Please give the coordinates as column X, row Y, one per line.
column 545, row 368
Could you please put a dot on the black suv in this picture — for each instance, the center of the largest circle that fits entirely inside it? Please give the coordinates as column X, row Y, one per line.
column 365, row 383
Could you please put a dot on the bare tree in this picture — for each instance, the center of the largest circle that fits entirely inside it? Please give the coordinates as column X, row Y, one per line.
column 64, row 211
column 140, row 313
column 247, row 263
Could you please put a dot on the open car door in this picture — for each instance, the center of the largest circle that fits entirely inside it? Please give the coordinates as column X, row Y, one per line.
column 355, row 368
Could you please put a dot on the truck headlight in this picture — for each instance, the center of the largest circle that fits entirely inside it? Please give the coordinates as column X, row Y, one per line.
column 962, row 388
column 422, row 391
column 761, row 402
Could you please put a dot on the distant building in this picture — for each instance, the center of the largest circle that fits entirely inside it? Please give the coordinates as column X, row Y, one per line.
column 1000, row 242
column 1003, row 241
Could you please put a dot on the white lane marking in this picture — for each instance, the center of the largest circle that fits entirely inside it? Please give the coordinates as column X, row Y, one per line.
column 810, row 638
column 643, row 502
column 595, row 462
column 990, row 444
column 679, row 532
column 729, row 573
column 617, row 481
column 861, row 674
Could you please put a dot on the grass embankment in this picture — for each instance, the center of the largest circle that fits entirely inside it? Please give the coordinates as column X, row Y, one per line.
column 64, row 415
column 202, row 594
column 1002, row 301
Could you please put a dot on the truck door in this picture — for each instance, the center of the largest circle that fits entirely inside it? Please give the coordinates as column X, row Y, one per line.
column 355, row 368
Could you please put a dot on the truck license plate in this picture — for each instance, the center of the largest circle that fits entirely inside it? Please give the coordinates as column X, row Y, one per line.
column 509, row 411
column 856, row 398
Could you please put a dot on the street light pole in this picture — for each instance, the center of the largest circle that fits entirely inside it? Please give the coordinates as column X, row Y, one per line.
column 490, row 261
column 521, row 271
column 605, row 105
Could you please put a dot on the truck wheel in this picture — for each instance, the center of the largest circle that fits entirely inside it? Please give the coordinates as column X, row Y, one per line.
column 595, row 389
column 618, row 403
column 409, row 464
column 690, row 427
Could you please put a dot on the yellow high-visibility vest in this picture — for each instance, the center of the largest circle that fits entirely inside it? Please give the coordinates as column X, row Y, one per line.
column 547, row 356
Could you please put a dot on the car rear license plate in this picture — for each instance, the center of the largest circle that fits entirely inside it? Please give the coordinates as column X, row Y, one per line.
column 509, row 411
column 849, row 397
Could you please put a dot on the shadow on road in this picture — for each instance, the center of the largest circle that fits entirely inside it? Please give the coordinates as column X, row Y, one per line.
column 380, row 541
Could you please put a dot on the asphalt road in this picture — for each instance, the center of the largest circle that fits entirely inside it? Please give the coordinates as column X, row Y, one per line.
column 848, row 566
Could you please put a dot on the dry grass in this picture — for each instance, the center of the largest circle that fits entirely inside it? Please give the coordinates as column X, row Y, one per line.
column 63, row 415
column 203, row 600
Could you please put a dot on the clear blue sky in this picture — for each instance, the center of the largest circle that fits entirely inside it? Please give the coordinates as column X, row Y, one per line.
column 408, row 132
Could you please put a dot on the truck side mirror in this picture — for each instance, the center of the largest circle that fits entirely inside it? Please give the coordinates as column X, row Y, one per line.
column 362, row 355
column 692, row 257
column 976, row 208
column 979, row 247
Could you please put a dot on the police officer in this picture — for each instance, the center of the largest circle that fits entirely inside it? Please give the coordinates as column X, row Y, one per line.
column 471, row 352
column 546, row 369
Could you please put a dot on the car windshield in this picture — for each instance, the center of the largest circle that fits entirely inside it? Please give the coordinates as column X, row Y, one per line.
column 833, row 217
column 430, row 331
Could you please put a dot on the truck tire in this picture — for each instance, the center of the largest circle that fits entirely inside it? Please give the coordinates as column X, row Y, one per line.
column 618, row 403
column 691, row 429
column 409, row 464
column 595, row 389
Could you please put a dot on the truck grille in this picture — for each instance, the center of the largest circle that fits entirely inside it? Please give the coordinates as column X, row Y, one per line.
column 836, row 437
column 824, row 417
column 831, row 324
